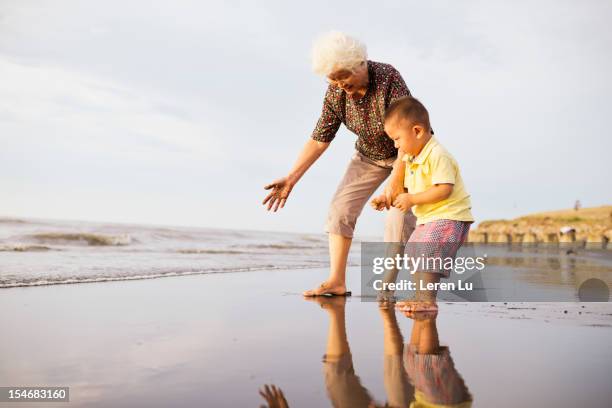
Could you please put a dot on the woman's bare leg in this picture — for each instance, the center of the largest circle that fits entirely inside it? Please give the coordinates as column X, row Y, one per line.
column 339, row 247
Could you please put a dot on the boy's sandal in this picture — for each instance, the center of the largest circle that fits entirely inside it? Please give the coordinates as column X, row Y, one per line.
column 416, row 306
column 402, row 303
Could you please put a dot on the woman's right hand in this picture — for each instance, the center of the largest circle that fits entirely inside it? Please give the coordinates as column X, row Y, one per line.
column 274, row 397
column 281, row 189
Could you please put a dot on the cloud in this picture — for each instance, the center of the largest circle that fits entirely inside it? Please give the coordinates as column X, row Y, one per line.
column 202, row 96
column 85, row 114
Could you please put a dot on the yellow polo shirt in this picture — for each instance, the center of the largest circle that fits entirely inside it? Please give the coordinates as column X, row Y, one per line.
column 434, row 165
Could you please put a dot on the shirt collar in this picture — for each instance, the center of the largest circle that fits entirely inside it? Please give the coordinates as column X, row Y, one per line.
column 371, row 75
column 371, row 83
column 422, row 156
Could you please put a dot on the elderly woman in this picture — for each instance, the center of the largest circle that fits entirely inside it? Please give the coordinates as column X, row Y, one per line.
column 359, row 91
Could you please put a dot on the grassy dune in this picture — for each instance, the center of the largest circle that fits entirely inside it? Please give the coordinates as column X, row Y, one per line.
column 590, row 224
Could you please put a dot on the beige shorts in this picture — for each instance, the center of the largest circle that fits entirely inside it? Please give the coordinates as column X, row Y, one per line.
column 361, row 179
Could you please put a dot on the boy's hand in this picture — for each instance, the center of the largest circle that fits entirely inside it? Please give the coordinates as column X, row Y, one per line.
column 379, row 203
column 403, row 202
column 393, row 189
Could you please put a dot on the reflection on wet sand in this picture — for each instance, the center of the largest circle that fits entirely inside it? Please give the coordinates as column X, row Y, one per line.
column 549, row 266
column 512, row 274
column 431, row 368
column 420, row 373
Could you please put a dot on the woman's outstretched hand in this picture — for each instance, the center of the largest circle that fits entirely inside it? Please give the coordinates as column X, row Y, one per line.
column 281, row 189
column 274, row 397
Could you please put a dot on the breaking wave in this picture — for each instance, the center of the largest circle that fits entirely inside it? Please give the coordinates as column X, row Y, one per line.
column 284, row 246
column 4, row 220
column 211, row 251
column 13, row 283
column 24, row 248
column 82, row 238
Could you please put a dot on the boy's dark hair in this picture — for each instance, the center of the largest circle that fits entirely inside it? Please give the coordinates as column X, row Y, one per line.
column 410, row 109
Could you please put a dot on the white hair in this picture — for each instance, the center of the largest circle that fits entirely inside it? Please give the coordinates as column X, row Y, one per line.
column 335, row 50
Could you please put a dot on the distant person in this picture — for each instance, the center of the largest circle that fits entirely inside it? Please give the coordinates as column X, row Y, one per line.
column 567, row 237
column 359, row 92
column 577, row 205
column 437, row 196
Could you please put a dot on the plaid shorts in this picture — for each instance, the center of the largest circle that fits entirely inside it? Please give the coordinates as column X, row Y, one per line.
column 437, row 240
column 435, row 377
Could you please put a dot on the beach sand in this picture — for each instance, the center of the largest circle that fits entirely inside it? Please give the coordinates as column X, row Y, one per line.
column 214, row 340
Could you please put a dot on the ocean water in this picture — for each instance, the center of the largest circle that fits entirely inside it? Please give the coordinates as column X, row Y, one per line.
column 44, row 252
column 48, row 252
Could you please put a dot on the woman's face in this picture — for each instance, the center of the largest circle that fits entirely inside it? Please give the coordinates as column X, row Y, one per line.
column 349, row 81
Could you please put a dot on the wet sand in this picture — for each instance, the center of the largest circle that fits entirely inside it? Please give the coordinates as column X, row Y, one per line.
column 215, row 340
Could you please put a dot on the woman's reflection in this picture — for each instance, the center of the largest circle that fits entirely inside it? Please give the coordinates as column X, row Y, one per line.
column 343, row 386
column 424, row 377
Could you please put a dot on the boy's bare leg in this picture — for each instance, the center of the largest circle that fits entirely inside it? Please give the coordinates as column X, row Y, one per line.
column 424, row 300
column 415, row 334
column 424, row 334
column 427, row 278
column 428, row 342
column 339, row 247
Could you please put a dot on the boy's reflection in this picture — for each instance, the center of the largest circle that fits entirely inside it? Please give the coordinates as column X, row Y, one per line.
column 425, row 377
column 431, row 368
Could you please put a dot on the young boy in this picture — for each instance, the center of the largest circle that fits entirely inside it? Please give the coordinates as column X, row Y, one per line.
column 436, row 195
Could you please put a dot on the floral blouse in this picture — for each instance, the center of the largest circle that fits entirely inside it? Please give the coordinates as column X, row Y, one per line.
column 364, row 116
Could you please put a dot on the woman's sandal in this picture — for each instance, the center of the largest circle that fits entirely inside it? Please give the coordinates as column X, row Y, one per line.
column 311, row 292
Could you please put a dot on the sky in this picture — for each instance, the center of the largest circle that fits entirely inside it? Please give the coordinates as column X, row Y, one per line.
column 178, row 113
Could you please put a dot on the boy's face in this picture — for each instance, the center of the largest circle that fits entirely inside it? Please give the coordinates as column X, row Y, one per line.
column 405, row 135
